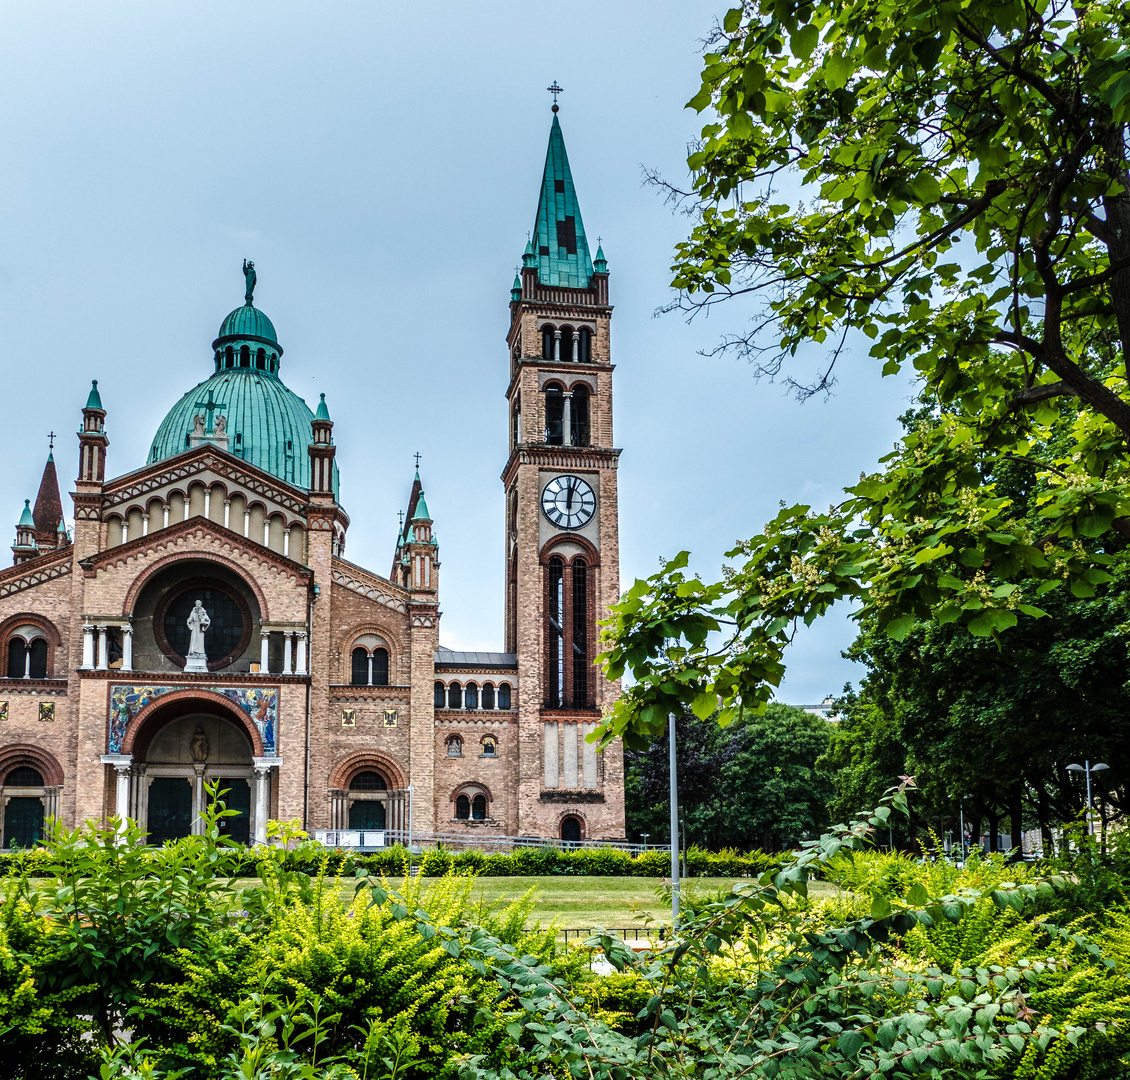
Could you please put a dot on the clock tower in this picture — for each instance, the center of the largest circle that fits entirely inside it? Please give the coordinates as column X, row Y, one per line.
column 562, row 557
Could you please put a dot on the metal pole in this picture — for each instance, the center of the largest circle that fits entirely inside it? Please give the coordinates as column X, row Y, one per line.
column 962, row 812
column 409, row 824
column 674, row 799
column 1090, row 824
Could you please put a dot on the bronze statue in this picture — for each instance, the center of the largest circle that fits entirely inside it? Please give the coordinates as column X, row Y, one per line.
column 249, row 276
column 200, row 745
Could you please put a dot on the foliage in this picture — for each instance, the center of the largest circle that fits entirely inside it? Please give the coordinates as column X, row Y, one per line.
column 948, row 180
column 754, row 783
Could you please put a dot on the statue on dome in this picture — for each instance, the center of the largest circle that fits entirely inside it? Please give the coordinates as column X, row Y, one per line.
column 197, row 622
column 249, row 276
column 198, row 424
column 221, row 425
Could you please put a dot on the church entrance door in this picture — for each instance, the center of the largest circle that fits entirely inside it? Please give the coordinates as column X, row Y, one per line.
column 170, row 809
column 367, row 814
column 237, row 797
column 23, row 822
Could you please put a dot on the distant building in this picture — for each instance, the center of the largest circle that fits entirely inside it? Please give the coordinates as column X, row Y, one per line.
column 826, row 709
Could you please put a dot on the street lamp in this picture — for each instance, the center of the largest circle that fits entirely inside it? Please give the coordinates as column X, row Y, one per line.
column 1087, row 768
column 645, row 836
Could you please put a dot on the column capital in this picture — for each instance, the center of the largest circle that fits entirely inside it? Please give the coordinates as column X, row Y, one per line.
column 265, row 764
column 122, row 762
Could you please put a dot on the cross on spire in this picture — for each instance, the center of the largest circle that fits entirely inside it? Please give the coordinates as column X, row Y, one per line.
column 51, row 440
column 210, row 406
column 400, row 517
column 555, row 90
column 417, row 457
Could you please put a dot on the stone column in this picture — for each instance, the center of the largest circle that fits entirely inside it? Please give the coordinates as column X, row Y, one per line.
column 144, row 524
column 247, row 523
column 27, row 663
column 166, row 516
column 261, row 802
column 556, row 344
column 123, row 766
column 127, row 647
column 103, row 649
column 576, row 346
column 125, row 531
column 227, row 513
column 286, row 542
column 267, row 532
column 208, row 502
column 87, row 646
column 288, row 653
column 370, row 655
column 264, row 646
column 300, row 659
column 198, row 799
column 567, row 418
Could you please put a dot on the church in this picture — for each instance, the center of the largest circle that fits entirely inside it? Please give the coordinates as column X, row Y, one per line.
column 202, row 622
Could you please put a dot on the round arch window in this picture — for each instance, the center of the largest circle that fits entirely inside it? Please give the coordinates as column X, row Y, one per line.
column 225, row 639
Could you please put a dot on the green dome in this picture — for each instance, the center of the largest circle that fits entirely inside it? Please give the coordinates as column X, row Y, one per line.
column 268, row 424
column 248, row 322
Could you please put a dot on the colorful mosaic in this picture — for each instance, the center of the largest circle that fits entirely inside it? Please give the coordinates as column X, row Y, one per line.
column 3, row 710
column 127, row 701
column 47, row 710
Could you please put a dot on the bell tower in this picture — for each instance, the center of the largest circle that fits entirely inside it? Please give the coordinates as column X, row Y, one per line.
column 562, row 543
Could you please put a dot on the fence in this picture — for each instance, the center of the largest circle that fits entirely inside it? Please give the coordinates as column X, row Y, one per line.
column 486, row 842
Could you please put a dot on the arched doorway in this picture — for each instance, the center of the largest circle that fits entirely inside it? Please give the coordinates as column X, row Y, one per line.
column 368, row 794
column 174, row 759
column 23, row 807
column 571, row 829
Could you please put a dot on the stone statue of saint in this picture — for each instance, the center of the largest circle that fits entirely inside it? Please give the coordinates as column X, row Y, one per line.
column 198, row 424
column 197, row 623
column 249, row 277
column 221, row 425
column 199, row 745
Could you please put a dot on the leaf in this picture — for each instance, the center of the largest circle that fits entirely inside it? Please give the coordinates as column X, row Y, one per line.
column 850, row 1043
column 898, row 628
column 837, row 70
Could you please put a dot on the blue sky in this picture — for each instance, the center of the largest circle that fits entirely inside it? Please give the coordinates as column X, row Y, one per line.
column 380, row 164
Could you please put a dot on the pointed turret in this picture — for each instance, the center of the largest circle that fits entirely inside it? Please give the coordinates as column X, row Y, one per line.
column 24, row 547
column 92, row 439
column 48, row 512
column 559, row 234
column 322, row 451
column 419, row 550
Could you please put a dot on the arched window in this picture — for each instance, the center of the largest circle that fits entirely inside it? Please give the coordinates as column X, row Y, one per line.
column 584, row 351
column 274, row 362
column 488, row 696
column 490, row 746
column 504, row 696
column 438, row 696
column 455, row 746
column 245, row 356
column 229, row 357
column 368, row 780
column 38, row 659
column 462, row 807
column 571, row 829
column 567, row 341
column 547, row 342
column 555, row 631
column 23, row 776
column 580, row 623
column 479, row 808
column 455, row 696
column 554, row 416
column 471, row 697
column 579, row 433
column 360, row 673
column 261, row 359
column 17, row 658
column 380, row 667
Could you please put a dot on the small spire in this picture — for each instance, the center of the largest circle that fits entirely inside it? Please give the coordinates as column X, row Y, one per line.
column 323, row 413
column 421, row 513
column 600, row 263
column 516, row 288
column 26, row 520
column 529, row 258
column 94, row 401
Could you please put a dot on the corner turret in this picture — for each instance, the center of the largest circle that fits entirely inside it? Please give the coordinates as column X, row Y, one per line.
column 24, row 548
column 92, row 439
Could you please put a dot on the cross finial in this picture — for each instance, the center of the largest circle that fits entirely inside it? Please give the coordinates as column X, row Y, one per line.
column 555, row 90
column 400, row 517
column 417, row 457
column 51, row 440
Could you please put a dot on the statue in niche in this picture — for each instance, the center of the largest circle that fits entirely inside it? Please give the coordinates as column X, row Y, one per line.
column 197, row 622
column 221, row 425
column 249, row 278
column 200, row 746
column 198, row 424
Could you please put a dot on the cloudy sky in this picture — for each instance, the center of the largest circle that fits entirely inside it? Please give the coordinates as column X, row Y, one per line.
column 380, row 163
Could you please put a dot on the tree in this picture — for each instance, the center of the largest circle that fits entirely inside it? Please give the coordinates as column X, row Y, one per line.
column 963, row 203
column 754, row 784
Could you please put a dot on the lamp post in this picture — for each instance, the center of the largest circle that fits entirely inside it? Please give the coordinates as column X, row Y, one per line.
column 961, row 813
column 1087, row 768
column 674, row 799
column 645, row 836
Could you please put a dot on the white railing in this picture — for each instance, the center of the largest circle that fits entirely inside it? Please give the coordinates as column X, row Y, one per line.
column 485, row 841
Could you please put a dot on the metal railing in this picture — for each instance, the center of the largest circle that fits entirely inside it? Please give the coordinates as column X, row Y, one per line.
column 487, row 841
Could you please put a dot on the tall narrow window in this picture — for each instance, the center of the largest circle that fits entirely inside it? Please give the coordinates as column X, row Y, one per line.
column 380, row 667
column 584, row 350
column 462, row 807
column 471, row 697
column 488, row 696
column 547, row 342
column 38, row 664
column 229, row 357
column 455, row 696
column 261, row 359
column 555, row 631
column 504, row 696
column 360, row 669
column 479, row 808
column 17, row 658
column 438, row 696
column 566, row 343
column 245, row 356
column 554, row 416
column 579, row 434
column 580, row 635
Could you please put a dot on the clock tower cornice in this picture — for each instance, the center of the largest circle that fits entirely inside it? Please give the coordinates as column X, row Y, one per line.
column 560, row 457
column 556, row 367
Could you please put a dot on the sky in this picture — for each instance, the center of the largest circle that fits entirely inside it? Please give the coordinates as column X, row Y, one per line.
column 380, row 163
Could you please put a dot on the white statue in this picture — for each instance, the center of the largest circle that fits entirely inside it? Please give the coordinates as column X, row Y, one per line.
column 221, row 427
column 198, row 424
column 197, row 622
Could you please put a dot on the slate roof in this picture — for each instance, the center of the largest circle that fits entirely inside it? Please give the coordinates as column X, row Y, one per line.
column 450, row 658
column 561, row 248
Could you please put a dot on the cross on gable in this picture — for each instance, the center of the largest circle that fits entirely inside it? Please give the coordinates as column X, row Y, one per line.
column 209, row 407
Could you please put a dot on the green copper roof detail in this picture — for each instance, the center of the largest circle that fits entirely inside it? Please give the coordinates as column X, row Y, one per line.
column 249, row 322
column 268, row 425
column 94, row 401
column 26, row 520
column 529, row 256
column 600, row 263
column 516, row 288
column 62, row 527
column 421, row 513
column 562, row 251
column 323, row 413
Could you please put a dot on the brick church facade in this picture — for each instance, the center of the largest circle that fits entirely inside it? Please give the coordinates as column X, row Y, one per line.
column 322, row 691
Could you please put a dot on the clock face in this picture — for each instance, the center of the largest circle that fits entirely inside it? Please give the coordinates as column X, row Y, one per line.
column 569, row 502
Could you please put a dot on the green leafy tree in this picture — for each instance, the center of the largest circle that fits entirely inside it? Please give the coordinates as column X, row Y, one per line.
column 958, row 171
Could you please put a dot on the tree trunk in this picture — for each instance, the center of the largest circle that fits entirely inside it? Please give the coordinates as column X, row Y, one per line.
column 1016, row 813
column 994, row 829
column 1044, row 811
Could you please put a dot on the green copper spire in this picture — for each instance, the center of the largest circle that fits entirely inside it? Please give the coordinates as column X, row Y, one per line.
column 516, row 288
column 600, row 262
column 559, row 235
column 95, row 399
column 26, row 520
column 421, row 513
column 323, row 413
